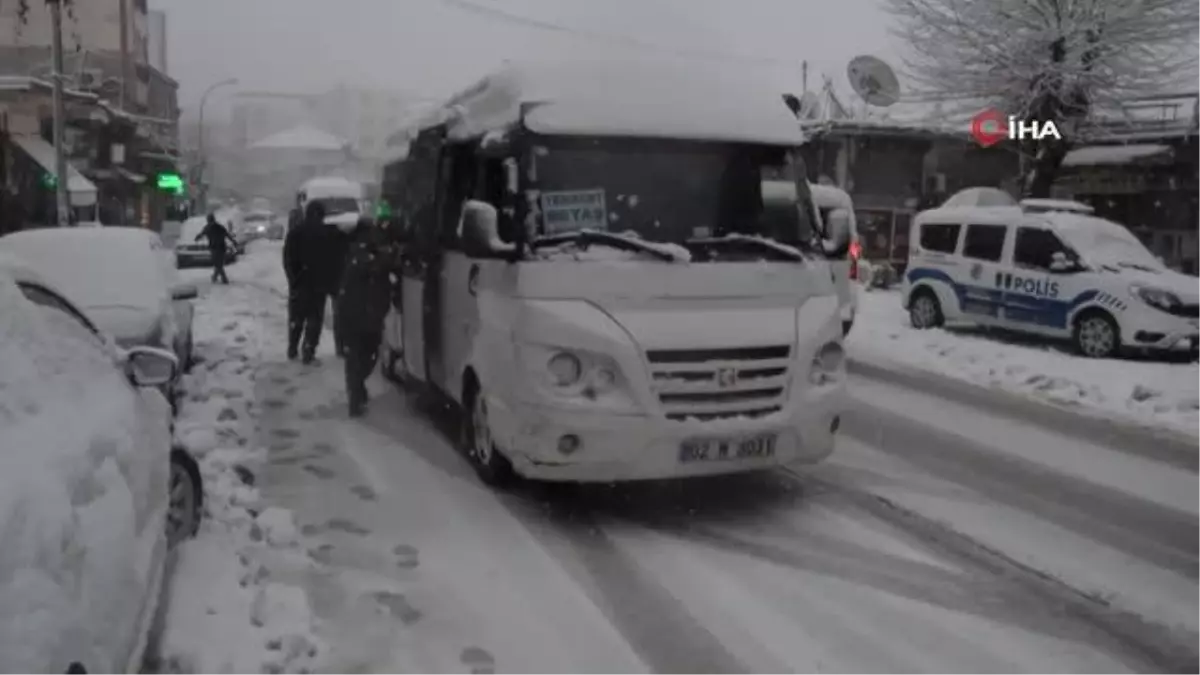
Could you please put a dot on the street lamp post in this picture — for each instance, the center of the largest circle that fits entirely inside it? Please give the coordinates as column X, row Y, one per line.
column 61, row 182
column 202, row 158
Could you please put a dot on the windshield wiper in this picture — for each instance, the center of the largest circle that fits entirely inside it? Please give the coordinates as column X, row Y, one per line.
column 1137, row 266
column 583, row 238
column 748, row 241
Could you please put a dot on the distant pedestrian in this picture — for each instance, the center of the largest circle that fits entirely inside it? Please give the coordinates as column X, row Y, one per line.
column 217, row 236
column 361, row 306
column 302, row 262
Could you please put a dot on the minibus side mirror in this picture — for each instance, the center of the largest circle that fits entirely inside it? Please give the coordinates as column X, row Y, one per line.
column 480, row 231
column 837, row 233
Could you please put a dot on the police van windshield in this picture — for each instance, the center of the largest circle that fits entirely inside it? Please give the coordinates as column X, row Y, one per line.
column 1107, row 244
column 671, row 191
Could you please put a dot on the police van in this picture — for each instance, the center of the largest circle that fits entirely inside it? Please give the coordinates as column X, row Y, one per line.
column 593, row 277
column 1047, row 269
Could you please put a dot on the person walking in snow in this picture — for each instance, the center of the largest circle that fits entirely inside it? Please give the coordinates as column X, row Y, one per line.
column 362, row 304
column 306, row 291
column 217, row 235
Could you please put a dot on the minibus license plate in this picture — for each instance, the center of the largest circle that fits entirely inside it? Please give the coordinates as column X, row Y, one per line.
column 724, row 449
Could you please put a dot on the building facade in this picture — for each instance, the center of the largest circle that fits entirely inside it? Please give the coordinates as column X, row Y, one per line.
column 122, row 127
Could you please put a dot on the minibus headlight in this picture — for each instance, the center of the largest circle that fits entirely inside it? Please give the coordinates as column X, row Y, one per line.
column 565, row 369
column 829, row 365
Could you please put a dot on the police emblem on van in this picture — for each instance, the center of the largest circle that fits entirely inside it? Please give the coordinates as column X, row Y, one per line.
column 727, row 377
column 976, row 271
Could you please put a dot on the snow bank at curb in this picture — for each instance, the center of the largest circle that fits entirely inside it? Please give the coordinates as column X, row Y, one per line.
column 225, row 615
column 1140, row 392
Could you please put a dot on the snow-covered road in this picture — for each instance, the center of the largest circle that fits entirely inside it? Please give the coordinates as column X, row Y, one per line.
column 937, row 538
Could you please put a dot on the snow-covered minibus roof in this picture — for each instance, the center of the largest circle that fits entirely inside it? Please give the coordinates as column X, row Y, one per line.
column 633, row 98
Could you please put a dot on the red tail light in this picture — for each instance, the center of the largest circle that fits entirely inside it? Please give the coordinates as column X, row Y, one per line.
column 855, row 253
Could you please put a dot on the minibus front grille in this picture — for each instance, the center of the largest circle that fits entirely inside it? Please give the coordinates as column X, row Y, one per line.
column 711, row 384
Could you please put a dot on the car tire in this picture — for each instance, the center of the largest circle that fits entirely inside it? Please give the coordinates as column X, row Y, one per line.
column 185, row 498
column 475, row 440
column 924, row 310
column 188, row 360
column 1096, row 335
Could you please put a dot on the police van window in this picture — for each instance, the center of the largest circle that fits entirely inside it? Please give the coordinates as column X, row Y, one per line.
column 1036, row 247
column 940, row 237
column 985, row 242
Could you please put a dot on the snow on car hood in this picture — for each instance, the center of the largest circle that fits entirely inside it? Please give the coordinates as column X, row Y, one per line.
column 124, row 322
column 1182, row 285
column 65, row 503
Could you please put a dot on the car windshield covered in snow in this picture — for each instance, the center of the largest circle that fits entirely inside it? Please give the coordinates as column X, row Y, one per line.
column 1104, row 243
column 666, row 190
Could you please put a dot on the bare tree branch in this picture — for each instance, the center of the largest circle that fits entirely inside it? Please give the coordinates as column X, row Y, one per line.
column 1050, row 60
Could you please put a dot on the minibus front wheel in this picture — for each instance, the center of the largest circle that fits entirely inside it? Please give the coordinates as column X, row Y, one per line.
column 476, row 437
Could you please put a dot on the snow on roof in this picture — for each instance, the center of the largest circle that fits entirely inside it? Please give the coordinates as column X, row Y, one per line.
column 1037, row 205
column 1096, row 155
column 980, row 197
column 331, row 186
column 302, row 137
column 624, row 98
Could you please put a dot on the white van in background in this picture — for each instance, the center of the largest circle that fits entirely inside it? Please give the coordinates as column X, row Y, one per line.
column 343, row 199
column 828, row 199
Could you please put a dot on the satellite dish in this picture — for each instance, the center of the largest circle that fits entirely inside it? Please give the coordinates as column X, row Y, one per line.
column 810, row 106
column 873, row 80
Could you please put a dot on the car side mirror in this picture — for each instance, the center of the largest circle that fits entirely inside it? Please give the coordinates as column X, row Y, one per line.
column 837, row 233
column 479, row 233
column 185, row 292
column 150, row 367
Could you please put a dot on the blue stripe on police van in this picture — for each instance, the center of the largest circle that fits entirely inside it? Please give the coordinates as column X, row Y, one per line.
column 1021, row 307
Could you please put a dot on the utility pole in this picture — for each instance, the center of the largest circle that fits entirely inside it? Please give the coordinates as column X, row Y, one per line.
column 62, row 179
column 124, row 17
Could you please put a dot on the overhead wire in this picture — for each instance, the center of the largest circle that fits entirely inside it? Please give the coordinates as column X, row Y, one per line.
column 623, row 40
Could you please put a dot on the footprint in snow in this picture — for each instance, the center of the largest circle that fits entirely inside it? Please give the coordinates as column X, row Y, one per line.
column 478, row 661
column 232, row 325
column 322, row 554
column 306, row 415
column 320, row 471
column 347, row 526
column 227, row 415
column 364, row 492
column 281, row 446
column 275, row 404
column 398, row 606
column 407, row 557
column 241, row 339
column 285, row 433
column 280, row 379
column 323, row 448
column 291, row 391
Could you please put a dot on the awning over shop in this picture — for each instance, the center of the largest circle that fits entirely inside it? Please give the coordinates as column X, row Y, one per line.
column 1115, row 155
column 81, row 190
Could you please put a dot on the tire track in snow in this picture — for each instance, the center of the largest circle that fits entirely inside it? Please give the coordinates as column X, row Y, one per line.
column 1146, row 646
column 659, row 628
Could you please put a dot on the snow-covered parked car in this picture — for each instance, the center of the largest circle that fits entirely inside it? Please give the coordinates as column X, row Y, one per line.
column 121, row 277
column 92, row 495
column 190, row 251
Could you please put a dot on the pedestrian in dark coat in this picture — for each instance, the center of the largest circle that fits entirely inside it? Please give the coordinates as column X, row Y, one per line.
column 217, row 236
column 362, row 305
column 304, row 256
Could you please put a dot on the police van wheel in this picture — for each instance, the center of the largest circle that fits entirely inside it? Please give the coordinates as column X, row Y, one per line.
column 1097, row 335
column 492, row 466
column 924, row 311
